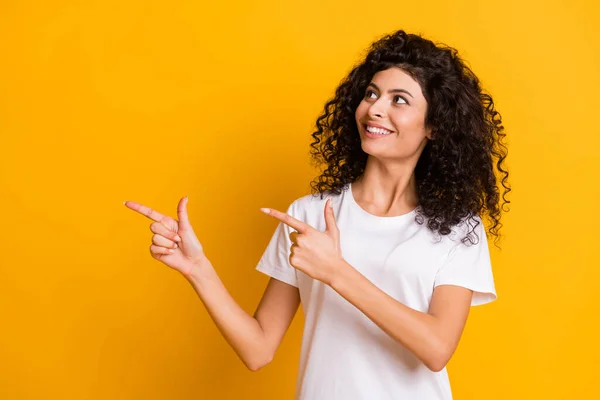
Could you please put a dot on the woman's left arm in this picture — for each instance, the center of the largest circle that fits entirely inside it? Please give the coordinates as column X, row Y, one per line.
column 432, row 336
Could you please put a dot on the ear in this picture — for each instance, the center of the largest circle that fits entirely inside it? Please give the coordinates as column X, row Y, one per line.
column 429, row 133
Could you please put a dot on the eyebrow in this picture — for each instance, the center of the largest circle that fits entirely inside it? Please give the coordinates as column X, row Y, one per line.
column 392, row 90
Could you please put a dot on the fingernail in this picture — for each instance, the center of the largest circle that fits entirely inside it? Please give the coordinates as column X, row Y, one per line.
column 175, row 245
column 178, row 238
column 265, row 210
column 171, row 251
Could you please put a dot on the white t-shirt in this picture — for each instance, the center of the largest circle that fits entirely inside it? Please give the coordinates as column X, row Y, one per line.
column 344, row 355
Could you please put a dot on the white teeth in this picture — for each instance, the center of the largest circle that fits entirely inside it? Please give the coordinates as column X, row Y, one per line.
column 378, row 131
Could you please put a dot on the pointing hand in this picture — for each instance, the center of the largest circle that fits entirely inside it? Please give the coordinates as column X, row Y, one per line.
column 174, row 242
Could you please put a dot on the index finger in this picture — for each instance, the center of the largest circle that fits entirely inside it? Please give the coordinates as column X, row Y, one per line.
column 287, row 219
column 147, row 211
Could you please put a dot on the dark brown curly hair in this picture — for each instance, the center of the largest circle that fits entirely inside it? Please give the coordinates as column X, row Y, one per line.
column 456, row 172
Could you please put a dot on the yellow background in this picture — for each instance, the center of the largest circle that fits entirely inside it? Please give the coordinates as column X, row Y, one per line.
column 107, row 101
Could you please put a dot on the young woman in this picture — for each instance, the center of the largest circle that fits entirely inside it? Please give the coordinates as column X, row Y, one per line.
column 389, row 252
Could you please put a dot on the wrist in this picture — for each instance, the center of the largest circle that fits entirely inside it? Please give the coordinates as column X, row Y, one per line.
column 197, row 269
column 340, row 272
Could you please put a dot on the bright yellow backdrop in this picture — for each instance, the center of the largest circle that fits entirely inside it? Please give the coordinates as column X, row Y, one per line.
column 102, row 102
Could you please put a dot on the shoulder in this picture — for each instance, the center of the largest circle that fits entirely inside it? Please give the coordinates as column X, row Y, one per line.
column 311, row 204
column 310, row 201
column 470, row 231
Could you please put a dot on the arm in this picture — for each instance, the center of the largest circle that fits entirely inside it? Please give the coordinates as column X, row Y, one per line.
column 254, row 339
column 432, row 336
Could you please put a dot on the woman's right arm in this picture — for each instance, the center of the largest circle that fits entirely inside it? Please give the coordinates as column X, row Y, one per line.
column 254, row 338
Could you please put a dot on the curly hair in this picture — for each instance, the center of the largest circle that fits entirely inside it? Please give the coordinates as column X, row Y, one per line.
column 456, row 172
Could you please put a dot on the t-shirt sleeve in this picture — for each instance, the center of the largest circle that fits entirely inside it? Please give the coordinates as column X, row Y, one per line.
column 469, row 265
column 275, row 260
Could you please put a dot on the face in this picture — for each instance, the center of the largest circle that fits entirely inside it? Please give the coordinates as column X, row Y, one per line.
column 391, row 117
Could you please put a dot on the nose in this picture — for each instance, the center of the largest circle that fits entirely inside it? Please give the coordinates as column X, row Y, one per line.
column 378, row 108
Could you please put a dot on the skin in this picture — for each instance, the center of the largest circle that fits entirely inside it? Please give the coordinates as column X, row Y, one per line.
column 387, row 188
column 253, row 338
column 431, row 336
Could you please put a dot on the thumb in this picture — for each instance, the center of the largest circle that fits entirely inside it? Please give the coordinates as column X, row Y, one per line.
column 182, row 213
column 330, row 224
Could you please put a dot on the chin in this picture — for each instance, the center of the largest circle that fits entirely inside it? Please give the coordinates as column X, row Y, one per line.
column 386, row 153
column 375, row 150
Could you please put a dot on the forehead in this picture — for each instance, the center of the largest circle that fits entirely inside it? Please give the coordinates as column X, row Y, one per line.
column 396, row 78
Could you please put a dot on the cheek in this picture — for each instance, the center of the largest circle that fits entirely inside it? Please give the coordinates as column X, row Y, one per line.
column 403, row 120
column 361, row 111
column 408, row 122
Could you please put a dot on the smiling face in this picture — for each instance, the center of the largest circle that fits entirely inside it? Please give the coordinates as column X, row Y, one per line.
column 391, row 117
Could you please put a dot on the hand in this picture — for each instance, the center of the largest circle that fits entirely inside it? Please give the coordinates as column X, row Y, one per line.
column 174, row 242
column 315, row 253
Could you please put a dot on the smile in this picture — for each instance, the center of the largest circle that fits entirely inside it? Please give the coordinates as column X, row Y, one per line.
column 377, row 131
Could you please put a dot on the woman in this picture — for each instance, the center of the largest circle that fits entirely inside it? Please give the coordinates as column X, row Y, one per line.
column 389, row 252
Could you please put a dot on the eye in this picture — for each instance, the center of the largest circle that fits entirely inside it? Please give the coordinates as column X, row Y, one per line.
column 400, row 100
column 369, row 94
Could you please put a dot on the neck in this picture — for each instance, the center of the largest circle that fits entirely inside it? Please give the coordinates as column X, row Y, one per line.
column 386, row 189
